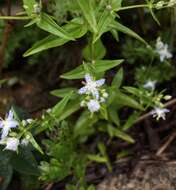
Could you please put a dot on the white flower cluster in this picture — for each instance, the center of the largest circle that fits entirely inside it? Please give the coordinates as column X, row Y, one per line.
column 6, row 125
column 162, row 50
column 95, row 94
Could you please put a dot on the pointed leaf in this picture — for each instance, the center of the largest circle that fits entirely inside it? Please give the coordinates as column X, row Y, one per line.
column 75, row 29
column 126, row 100
column 117, row 81
column 87, row 9
column 114, row 132
column 98, row 67
column 120, row 27
column 63, row 92
column 58, row 108
column 48, row 24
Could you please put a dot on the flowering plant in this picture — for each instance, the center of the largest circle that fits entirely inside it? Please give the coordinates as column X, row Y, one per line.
column 94, row 111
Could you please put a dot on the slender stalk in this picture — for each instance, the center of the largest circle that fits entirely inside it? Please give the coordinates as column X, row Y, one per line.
column 14, row 17
column 133, row 7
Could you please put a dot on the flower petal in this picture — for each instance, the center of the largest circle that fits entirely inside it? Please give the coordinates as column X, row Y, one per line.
column 10, row 115
column 100, row 82
column 82, row 90
column 1, row 124
column 95, row 93
column 12, row 124
column 5, row 132
column 88, row 78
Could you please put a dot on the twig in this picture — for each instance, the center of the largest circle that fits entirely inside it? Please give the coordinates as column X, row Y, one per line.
column 49, row 186
column 170, row 103
column 166, row 144
column 6, row 34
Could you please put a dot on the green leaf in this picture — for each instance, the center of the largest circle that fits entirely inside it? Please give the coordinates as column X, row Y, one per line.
column 77, row 73
column 70, row 108
column 103, row 24
column 103, row 112
column 98, row 67
column 113, row 115
column 104, row 65
column 57, row 110
column 94, row 51
column 117, row 81
column 47, row 43
column 97, row 158
column 74, row 28
column 25, row 163
column 6, row 169
column 115, row 34
column 87, row 9
column 63, row 92
column 116, row 4
column 126, row 100
column 120, row 27
column 114, row 132
column 83, row 127
column 34, row 143
column 130, row 121
column 132, row 90
column 48, row 24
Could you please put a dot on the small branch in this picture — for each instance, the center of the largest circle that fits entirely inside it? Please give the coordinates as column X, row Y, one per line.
column 166, row 144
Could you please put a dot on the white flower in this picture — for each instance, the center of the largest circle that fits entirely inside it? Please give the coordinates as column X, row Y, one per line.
column 7, row 124
column 91, row 86
column 12, row 144
column 150, row 85
column 162, row 50
column 160, row 113
column 93, row 106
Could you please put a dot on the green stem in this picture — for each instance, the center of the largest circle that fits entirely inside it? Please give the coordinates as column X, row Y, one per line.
column 15, row 17
column 133, row 7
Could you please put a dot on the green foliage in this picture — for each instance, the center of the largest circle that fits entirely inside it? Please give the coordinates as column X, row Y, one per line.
column 92, row 113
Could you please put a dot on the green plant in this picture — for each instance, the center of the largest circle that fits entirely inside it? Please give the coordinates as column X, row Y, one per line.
column 94, row 109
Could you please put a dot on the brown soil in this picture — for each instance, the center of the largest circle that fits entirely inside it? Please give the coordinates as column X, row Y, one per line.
column 147, row 175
